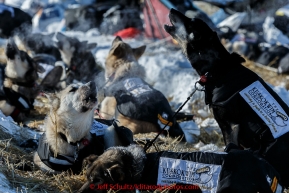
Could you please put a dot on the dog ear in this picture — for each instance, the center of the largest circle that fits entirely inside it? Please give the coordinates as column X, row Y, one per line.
column 61, row 37
column 11, row 49
column 118, row 51
column 91, row 46
column 116, row 39
column 138, row 52
column 53, row 77
column 116, row 173
column 50, row 35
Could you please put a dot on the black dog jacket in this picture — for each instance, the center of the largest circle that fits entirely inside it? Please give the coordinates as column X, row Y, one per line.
column 63, row 162
column 138, row 100
column 238, row 171
column 94, row 146
column 250, row 114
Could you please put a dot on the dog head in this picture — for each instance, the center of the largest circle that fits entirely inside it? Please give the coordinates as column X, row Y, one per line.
column 120, row 55
column 20, row 65
column 198, row 42
column 115, row 165
column 70, row 47
column 72, row 109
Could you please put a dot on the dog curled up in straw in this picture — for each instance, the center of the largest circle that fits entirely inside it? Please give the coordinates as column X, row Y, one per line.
column 237, row 171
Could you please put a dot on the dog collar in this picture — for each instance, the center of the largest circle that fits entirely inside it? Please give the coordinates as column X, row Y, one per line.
column 84, row 141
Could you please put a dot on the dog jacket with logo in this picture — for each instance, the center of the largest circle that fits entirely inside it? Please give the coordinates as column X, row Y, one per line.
column 239, row 171
column 251, row 114
column 138, row 100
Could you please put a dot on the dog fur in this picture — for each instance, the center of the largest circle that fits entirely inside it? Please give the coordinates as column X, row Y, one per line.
column 122, row 63
column 21, row 73
column 79, row 59
column 226, row 77
column 130, row 165
column 72, row 114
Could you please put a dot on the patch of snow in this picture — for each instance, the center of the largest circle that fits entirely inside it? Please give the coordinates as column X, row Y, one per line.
column 191, row 130
column 203, row 113
column 8, row 125
column 211, row 148
column 5, row 185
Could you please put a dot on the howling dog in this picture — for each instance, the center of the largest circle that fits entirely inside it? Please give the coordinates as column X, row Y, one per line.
column 237, row 171
column 249, row 113
column 71, row 133
column 129, row 99
column 79, row 59
column 18, row 82
column 19, row 79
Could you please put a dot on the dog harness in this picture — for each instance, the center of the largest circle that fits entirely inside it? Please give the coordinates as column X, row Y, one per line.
column 251, row 114
column 64, row 162
column 138, row 100
column 212, row 172
column 21, row 103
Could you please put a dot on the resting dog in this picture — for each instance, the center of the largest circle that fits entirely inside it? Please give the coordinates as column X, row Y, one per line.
column 129, row 99
column 238, row 171
column 71, row 133
column 79, row 59
column 249, row 113
column 18, row 82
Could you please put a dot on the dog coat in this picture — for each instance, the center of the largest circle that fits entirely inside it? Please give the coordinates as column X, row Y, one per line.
column 138, row 100
column 21, row 103
column 238, row 171
column 63, row 162
column 94, row 146
column 254, row 116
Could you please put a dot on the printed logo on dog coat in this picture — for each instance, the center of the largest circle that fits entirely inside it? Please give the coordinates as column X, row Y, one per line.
column 98, row 128
column 268, row 109
column 136, row 86
column 173, row 171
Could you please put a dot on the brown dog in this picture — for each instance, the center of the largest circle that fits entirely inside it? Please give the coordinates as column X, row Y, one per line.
column 129, row 99
column 215, row 172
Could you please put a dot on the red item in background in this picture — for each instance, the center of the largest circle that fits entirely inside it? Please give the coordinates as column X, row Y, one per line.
column 128, row 33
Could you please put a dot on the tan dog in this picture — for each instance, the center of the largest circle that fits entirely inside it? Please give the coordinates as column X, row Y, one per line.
column 67, row 126
column 68, row 136
column 129, row 99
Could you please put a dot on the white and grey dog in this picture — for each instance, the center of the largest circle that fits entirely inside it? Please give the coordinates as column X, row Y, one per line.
column 71, row 133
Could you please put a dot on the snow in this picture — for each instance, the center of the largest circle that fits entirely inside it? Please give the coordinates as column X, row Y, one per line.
column 5, row 185
column 8, row 126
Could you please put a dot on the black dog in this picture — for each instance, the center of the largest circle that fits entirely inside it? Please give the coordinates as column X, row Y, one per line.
column 238, row 171
column 249, row 113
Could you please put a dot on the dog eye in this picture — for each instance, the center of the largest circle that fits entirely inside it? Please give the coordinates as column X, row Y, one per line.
column 73, row 89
